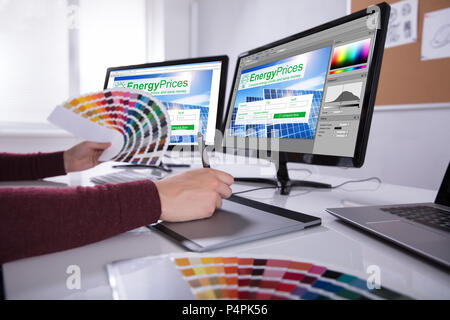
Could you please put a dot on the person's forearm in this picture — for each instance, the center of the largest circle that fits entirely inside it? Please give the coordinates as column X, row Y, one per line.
column 31, row 166
column 35, row 221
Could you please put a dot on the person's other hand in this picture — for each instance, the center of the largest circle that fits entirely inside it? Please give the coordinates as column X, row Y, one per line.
column 194, row 194
column 84, row 155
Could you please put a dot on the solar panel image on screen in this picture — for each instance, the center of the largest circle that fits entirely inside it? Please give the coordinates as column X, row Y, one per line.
column 250, row 99
column 279, row 99
column 296, row 130
column 287, row 130
column 185, row 112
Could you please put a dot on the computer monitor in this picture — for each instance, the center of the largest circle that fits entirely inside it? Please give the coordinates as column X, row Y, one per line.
column 192, row 90
column 311, row 94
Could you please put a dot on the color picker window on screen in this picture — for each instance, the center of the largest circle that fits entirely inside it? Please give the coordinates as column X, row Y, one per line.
column 350, row 56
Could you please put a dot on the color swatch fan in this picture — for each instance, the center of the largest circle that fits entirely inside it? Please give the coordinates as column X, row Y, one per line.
column 250, row 278
column 136, row 124
column 190, row 276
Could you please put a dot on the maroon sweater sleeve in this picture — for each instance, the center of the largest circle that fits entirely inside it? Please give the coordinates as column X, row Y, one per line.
column 31, row 166
column 35, row 221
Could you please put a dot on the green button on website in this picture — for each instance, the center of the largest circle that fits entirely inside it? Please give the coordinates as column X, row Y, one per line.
column 183, row 127
column 289, row 115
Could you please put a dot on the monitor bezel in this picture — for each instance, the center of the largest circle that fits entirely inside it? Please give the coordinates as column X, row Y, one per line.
column 222, row 85
column 368, row 101
column 443, row 196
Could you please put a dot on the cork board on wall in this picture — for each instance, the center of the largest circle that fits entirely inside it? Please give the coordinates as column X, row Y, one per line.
column 404, row 78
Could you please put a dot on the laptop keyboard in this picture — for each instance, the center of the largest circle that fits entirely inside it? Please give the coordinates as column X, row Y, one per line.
column 127, row 176
column 429, row 216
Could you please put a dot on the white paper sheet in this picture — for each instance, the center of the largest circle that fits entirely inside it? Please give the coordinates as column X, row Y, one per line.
column 402, row 27
column 88, row 130
column 436, row 35
column 155, row 278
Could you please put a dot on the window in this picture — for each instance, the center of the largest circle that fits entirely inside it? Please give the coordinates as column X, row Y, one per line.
column 112, row 34
column 33, row 58
column 50, row 50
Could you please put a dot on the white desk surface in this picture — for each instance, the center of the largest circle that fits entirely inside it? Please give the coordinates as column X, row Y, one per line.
column 333, row 243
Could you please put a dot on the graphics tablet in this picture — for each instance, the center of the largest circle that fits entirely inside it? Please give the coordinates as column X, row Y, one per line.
column 239, row 220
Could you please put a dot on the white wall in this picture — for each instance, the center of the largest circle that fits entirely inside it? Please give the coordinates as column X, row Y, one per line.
column 103, row 24
column 169, row 29
column 34, row 137
column 37, row 143
column 234, row 26
column 408, row 145
column 177, row 29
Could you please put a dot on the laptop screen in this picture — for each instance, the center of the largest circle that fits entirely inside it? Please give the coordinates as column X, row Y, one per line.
column 443, row 196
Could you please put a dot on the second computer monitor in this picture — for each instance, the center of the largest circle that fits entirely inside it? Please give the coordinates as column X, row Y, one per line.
column 312, row 92
column 192, row 90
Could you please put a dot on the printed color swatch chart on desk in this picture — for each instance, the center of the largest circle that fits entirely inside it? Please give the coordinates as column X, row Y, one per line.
column 246, row 278
column 136, row 124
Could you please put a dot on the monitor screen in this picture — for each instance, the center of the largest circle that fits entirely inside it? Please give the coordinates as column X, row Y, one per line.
column 307, row 91
column 443, row 196
column 190, row 91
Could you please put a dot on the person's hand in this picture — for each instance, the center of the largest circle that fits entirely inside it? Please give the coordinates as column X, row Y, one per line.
column 193, row 194
column 84, row 155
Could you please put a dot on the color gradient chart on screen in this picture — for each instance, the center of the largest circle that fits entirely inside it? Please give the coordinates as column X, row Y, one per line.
column 136, row 124
column 250, row 278
column 350, row 56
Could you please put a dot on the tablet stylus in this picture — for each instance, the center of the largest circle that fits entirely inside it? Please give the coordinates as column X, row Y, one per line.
column 202, row 149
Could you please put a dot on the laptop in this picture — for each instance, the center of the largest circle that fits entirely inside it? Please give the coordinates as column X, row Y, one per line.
column 423, row 228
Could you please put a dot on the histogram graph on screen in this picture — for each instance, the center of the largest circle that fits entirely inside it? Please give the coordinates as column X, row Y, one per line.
column 344, row 95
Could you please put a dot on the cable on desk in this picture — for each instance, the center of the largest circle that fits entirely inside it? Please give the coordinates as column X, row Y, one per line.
column 352, row 181
column 332, row 187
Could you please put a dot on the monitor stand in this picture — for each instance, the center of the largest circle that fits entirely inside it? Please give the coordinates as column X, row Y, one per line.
column 284, row 182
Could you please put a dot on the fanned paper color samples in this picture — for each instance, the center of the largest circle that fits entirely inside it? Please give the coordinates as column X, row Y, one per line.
column 249, row 278
column 136, row 124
